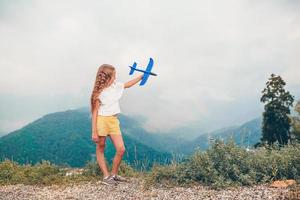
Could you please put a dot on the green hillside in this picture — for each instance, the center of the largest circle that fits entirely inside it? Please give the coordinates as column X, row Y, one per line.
column 245, row 135
column 65, row 138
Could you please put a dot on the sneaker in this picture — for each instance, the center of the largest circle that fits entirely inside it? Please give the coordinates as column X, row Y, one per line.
column 109, row 180
column 119, row 178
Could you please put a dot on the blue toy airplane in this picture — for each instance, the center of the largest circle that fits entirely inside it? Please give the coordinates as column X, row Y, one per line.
column 147, row 72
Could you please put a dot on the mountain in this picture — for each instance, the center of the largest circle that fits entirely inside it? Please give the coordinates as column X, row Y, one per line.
column 65, row 138
column 245, row 135
column 183, row 133
column 160, row 142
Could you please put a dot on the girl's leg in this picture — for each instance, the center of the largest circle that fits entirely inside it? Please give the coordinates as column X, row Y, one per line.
column 100, row 155
column 120, row 150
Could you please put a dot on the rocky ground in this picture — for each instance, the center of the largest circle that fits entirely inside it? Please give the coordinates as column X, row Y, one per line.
column 135, row 190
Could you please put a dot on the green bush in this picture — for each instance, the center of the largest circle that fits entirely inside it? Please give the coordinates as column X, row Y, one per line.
column 93, row 169
column 46, row 173
column 277, row 163
column 227, row 164
column 42, row 173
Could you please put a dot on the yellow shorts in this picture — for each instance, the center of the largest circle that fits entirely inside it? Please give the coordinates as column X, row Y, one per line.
column 107, row 125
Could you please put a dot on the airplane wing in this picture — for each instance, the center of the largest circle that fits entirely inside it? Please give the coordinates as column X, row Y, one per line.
column 133, row 67
column 148, row 70
column 145, row 78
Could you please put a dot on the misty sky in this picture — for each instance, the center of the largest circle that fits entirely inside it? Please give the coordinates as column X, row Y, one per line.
column 212, row 57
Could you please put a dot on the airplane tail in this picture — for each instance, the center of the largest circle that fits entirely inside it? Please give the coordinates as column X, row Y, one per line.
column 133, row 67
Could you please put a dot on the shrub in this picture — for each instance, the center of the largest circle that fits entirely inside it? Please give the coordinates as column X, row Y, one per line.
column 227, row 164
column 93, row 169
column 42, row 173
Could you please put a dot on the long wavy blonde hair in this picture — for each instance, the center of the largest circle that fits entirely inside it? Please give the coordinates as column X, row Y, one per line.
column 103, row 77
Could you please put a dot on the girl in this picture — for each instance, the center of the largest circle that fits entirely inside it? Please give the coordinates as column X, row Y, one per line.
column 105, row 108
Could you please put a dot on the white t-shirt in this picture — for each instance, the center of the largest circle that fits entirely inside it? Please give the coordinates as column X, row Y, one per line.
column 109, row 99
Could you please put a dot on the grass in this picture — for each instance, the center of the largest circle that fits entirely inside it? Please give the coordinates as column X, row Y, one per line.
column 222, row 165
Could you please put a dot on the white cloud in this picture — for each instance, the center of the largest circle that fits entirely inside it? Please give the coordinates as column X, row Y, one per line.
column 211, row 57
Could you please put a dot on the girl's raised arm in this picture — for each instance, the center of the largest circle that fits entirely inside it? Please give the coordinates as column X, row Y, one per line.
column 133, row 81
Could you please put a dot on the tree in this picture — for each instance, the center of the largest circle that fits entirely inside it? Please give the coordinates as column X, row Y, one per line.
column 295, row 122
column 276, row 123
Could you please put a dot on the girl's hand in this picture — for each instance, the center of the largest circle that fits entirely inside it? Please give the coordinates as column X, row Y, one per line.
column 95, row 137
